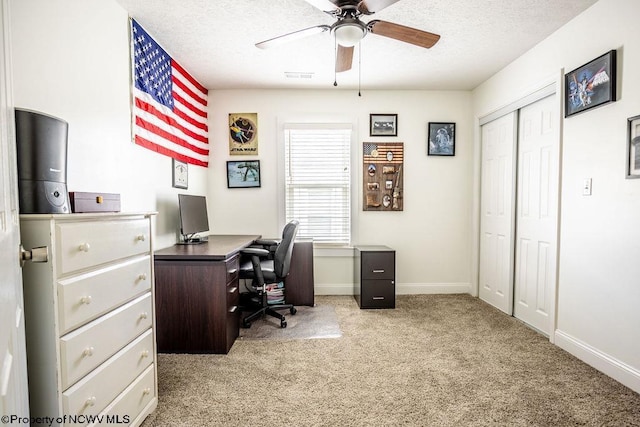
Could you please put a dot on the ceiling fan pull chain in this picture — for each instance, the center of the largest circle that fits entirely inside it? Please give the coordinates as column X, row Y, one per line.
column 359, row 68
column 335, row 55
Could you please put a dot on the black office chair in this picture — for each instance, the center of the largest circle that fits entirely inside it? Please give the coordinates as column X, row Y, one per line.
column 266, row 263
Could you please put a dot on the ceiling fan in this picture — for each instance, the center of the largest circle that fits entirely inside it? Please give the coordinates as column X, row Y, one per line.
column 349, row 29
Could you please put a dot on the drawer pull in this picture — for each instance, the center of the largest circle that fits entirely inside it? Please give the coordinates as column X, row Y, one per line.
column 233, row 271
column 146, row 391
column 378, row 271
column 90, row 401
column 86, row 300
column 233, row 309
column 84, row 247
column 88, row 352
column 144, row 353
column 378, row 298
column 141, row 237
column 233, row 290
column 144, row 315
column 142, row 276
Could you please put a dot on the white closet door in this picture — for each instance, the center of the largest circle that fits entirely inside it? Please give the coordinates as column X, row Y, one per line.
column 537, row 214
column 497, row 209
column 14, row 399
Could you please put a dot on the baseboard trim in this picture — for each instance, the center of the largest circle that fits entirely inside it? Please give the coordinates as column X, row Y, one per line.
column 401, row 288
column 604, row 363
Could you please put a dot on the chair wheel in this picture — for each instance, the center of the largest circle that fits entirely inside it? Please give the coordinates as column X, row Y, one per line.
column 283, row 324
column 293, row 310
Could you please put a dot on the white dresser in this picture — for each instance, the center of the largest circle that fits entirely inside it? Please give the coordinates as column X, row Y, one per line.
column 89, row 315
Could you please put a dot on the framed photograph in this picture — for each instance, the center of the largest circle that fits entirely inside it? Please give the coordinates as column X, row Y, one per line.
column 245, row 174
column 633, row 147
column 442, row 139
column 590, row 85
column 383, row 125
column 180, row 174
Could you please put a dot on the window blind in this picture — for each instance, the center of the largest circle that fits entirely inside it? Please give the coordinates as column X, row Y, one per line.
column 318, row 180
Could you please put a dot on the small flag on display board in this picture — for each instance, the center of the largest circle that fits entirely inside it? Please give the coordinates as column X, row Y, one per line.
column 169, row 105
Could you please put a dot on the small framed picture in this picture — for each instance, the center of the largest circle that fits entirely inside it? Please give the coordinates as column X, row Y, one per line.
column 633, row 147
column 591, row 85
column 243, row 174
column 383, row 124
column 180, row 174
column 442, row 139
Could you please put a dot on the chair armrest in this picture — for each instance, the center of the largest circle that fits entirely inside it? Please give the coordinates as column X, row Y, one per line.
column 255, row 251
column 267, row 242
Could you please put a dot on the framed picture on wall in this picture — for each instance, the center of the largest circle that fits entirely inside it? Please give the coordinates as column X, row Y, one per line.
column 442, row 139
column 383, row 124
column 633, row 147
column 180, row 174
column 591, row 85
column 243, row 174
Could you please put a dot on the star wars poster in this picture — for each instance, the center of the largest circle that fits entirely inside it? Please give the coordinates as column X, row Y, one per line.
column 243, row 134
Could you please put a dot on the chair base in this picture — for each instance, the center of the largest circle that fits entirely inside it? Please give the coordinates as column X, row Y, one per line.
column 271, row 311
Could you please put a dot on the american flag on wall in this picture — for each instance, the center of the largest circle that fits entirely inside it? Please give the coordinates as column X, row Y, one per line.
column 169, row 105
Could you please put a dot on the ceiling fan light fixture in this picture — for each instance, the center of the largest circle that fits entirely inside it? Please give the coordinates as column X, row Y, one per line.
column 349, row 33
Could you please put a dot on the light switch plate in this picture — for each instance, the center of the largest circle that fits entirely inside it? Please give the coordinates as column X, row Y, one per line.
column 586, row 187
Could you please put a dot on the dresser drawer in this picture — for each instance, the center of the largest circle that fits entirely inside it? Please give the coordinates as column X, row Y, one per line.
column 126, row 407
column 94, row 392
column 84, row 244
column 233, row 265
column 378, row 265
column 87, row 296
column 87, row 347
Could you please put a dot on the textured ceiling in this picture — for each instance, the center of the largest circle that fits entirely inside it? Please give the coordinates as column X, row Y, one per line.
column 214, row 40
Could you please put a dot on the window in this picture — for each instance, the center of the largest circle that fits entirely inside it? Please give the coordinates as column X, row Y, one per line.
column 318, row 180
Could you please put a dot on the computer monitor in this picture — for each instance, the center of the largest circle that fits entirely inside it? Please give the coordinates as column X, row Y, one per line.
column 193, row 217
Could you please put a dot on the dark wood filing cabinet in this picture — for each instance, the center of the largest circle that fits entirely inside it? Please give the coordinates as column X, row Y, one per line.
column 375, row 277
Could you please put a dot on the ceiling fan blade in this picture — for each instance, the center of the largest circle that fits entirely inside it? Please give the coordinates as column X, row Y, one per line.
column 276, row 41
column 367, row 7
column 324, row 5
column 344, row 58
column 402, row 33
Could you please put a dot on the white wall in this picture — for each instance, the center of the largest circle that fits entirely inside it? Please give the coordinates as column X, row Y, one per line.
column 598, row 286
column 71, row 60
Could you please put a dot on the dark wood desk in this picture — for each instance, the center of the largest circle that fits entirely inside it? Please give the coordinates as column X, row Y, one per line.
column 197, row 295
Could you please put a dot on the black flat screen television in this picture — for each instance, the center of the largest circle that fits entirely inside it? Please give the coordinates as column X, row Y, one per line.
column 193, row 217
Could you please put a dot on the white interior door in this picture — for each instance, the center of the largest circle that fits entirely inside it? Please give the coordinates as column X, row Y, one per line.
column 14, row 398
column 537, row 214
column 497, row 212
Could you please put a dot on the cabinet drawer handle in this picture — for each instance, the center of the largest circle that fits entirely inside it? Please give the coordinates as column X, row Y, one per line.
column 86, row 300
column 88, row 352
column 141, row 237
column 142, row 276
column 233, row 309
column 146, row 391
column 144, row 315
column 378, row 271
column 144, row 353
column 233, row 289
column 90, row 401
column 84, row 247
column 233, row 271
column 378, row 298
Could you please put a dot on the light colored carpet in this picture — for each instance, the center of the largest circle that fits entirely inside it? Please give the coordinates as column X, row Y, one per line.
column 435, row 360
column 308, row 323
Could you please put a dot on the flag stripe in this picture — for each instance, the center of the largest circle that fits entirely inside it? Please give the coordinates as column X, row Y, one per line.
column 167, row 152
column 169, row 120
column 168, row 136
column 176, row 81
column 152, row 137
column 188, row 77
column 192, row 108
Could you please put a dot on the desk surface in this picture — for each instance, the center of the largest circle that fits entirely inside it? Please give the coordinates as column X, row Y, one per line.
column 218, row 247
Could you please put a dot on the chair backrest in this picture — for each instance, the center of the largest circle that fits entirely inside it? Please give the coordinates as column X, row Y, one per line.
column 282, row 256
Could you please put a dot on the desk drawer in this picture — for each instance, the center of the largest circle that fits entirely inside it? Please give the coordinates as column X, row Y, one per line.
column 378, row 294
column 85, row 297
column 85, row 348
column 95, row 391
column 84, row 244
column 233, row 266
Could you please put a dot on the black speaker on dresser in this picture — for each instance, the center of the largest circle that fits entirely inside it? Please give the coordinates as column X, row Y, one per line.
column 41, row 142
